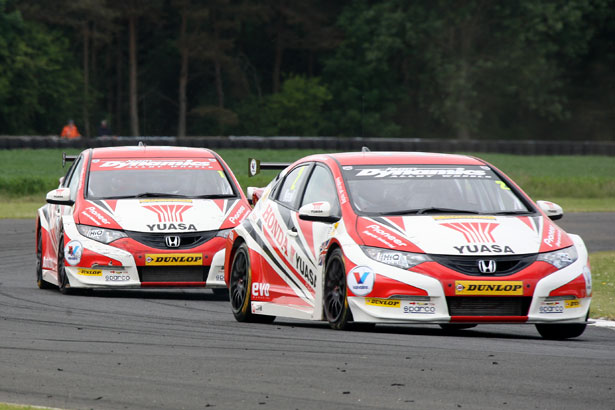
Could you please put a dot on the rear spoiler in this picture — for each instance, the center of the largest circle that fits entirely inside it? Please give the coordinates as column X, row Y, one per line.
column 66, row 158
column 255, row 166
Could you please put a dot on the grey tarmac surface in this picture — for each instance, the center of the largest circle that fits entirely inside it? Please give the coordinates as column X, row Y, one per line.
column 159, row 349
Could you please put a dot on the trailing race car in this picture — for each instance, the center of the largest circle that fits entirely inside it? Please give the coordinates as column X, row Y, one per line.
column 405, row 238
column 131, row 217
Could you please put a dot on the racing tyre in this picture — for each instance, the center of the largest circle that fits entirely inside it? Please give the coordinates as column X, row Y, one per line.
column 64, row 284
column 337, row 311
column 39, row 264
column 239, row 289
column 561, row 331
column 453, row 327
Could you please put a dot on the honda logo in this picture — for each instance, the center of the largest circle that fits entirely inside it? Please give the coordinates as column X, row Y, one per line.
column 172, row 241
column 487, row 266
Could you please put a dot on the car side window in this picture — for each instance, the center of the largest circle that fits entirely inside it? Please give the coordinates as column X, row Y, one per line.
column 73, row 183
column 288, row 193
column 321, row 187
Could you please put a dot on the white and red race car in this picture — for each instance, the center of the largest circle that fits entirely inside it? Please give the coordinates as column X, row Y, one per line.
column 406, row 238
column 133, row 217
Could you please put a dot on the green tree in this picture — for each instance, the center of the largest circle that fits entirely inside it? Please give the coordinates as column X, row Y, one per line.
column 39, row 76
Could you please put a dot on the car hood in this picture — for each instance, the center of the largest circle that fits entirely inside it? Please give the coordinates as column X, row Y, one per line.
column 162, row 215
column 464, row 235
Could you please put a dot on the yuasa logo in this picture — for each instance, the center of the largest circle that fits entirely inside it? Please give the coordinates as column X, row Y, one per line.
column 360, row 280
column 260, row 289
column 169, row 213
column 474, row 232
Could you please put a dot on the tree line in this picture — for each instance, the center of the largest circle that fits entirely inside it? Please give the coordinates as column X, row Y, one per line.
column 483, row 69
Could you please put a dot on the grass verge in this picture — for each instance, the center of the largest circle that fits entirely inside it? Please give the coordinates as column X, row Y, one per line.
column 603, row 282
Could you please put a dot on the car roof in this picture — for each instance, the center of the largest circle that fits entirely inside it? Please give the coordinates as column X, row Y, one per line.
column 144, row 151
column 389, row 158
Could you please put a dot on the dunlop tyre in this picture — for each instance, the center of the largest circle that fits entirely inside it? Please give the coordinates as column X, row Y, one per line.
column 239, row 288
column 335, row 297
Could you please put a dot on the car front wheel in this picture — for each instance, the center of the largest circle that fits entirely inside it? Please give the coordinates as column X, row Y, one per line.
column 561, row 331
column 337, row 311
column 239, row 289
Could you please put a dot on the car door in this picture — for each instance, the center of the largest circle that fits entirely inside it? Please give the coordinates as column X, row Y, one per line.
column 277, row 281
column 308, row 238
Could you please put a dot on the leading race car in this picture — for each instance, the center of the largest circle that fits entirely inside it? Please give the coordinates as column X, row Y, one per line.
column 132, row 217
column 406, row 238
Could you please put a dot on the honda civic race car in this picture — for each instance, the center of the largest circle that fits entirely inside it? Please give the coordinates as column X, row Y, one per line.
column 405, row 238
column 133, row 217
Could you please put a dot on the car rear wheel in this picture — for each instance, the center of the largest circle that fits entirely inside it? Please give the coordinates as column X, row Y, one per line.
column 39, row 264
column 240, row 282
column 335, row 297
column 561, row 331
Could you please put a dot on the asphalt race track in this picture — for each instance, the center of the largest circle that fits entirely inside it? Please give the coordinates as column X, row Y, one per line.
column 183, row 350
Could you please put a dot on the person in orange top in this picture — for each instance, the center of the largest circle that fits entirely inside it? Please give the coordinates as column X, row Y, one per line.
column 70, row 130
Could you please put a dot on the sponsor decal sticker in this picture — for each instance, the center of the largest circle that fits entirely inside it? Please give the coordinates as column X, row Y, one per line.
column 72, row 252
column 553, row 236
column 572, row 303
column 378, row 233
column 391, row 303
column 360, row 280
column 474, row 232
column 340, row 190
column 488, row 287
column 156, row 164
column 412, row 172
column 170, row 212
column 419, row 308
column 117, row 278
column 89, row 272
column 167, row 259
column 260, row 289
column 237, row 216
column 92, row 213
column 552, row 307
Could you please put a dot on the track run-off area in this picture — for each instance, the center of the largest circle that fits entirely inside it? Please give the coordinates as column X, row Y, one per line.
column 178, row 349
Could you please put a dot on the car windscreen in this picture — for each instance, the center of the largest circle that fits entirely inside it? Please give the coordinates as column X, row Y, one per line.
column 423, row 189
column 159, row 177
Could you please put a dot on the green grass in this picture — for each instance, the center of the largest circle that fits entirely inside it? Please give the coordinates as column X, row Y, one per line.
column 7, row 406
column 577, row 183
column 603, row 282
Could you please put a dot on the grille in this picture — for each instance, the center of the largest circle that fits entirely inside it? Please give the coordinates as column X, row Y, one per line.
column 187, row 240
column 506, row 265
column 488, row 306
column 173, row 273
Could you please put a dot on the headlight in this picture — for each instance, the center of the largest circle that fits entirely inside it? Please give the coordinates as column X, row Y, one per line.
column 223, row 233
column 100, row 234
column 560, row 259
column 404, row 260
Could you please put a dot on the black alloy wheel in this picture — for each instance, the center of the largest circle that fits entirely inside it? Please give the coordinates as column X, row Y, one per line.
column 64, row 284
column 337, row 311
column 239, row 289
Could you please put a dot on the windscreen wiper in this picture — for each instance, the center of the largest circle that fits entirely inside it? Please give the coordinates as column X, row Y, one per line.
column 510, row 213
column 158, row 195
column 215, row 196
column 421, row 211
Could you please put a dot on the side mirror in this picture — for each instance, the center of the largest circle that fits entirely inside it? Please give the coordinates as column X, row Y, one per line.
column 60, row 196
column 254, row 194
column 553, row 210
column 318, row 212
